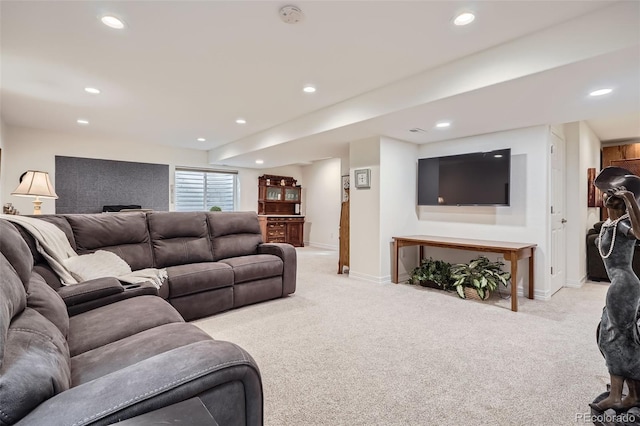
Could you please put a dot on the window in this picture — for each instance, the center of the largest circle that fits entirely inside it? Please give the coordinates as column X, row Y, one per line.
column 198, row 190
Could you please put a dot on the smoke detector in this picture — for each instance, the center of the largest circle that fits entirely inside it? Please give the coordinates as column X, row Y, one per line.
column 291, row 14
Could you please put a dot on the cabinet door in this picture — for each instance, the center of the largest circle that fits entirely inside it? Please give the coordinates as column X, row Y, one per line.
column 292, row 194
column 274, row 194
column 294, row 233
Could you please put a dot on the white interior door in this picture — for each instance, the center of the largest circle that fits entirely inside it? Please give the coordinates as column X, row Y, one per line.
column 557, row 209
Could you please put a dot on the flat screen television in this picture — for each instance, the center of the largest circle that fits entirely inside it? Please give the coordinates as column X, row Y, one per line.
column 473, row 179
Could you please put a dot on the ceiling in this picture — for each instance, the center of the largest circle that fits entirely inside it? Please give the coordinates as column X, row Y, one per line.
column 185, row 70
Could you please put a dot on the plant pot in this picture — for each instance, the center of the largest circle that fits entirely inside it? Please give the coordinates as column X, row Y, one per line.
column 471, row 293
column 430, row 284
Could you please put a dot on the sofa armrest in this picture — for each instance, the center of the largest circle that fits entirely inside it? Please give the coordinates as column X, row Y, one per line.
column 224, row 377
column 92, row 294
column 186, row 413
column 90, row 290
column 288, row 254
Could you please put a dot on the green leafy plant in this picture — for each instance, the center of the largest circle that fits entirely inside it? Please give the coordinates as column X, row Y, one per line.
column 215, row 209
column 480, row 274
column 431, row 271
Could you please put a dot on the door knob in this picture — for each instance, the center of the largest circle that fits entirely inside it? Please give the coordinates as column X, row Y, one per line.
column 563, row 220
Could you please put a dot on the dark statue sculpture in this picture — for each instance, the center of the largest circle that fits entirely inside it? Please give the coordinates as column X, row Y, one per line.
column 618, row 335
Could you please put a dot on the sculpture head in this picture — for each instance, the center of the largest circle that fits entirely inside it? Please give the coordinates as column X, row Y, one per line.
column 611, row 179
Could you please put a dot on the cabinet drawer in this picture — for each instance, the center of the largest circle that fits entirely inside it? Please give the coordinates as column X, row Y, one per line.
column 276, row 233
column 275, row 225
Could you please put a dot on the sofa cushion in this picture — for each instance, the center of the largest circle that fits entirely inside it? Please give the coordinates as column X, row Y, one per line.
column 58, row 220
column 125, row 352
column 179, row 238
column 116, row 321
column 36, row 365
column 61, row 222
column 257, row 291
column 207, row 303
column 16, row 251
column 197, row 277
column 234, row 234
column 255, row 267
column 48, row 303
column 13, row 278
column 124, row 234
column 13, row 299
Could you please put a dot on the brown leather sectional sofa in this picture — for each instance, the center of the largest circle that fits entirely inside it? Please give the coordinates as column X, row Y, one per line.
column 100, row 352
column 595, row 266
column 215, row 260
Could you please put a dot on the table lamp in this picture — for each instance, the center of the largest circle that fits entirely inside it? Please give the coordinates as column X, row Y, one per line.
column 35, row 184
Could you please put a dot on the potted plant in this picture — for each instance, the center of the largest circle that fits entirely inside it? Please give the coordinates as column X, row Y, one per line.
column 478, row 278
column 432, row 273
column 215, row 209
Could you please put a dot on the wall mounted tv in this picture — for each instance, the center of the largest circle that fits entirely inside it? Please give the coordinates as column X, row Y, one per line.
column 473, row 179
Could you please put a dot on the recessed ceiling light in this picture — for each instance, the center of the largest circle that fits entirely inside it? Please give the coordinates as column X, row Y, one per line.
column 82, row 121
column 92, row 90
column 112, row 22
column 443, row 124
column 309, row 89
column 464, row 18
column 241, row 121
column 201, row 139
column 600, row 92
column 259, row 161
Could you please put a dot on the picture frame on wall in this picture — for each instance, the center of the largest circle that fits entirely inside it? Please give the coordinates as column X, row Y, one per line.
column 594, row 196
column 362, row 178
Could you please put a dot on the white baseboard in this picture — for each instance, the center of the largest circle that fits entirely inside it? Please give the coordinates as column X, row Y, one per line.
column 576, row 283
column 320, row 245
column 369, row 278
column 539, row 295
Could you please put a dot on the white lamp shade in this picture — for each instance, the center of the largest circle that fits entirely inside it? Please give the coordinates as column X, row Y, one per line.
column 35, row 184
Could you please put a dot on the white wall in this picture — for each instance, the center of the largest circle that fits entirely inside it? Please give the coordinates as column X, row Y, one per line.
column 583, row 152
column 525, row 220
column 590, row 156
column 322, row 208
column 364, row 213
column 398, row 177
column 3, row 155
column 25, row 149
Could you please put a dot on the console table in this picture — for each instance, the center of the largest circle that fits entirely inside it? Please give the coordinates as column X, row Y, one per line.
column 511, row 252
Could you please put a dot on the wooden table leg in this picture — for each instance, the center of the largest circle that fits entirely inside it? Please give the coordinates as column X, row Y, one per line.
column 394, row 266
column 514, row 281
column 531, row 273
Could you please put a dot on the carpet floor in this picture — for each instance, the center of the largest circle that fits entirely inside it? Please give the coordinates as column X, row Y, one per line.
column 346, row 352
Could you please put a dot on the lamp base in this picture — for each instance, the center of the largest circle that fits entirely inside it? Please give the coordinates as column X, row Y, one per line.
column 37, row 204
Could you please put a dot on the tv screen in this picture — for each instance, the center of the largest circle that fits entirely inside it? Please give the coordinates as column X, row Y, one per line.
column 474, row 179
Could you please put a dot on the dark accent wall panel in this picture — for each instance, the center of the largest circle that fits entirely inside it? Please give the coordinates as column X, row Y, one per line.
column 84, row 185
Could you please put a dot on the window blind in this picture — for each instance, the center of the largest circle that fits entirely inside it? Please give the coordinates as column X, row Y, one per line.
column 198, row 190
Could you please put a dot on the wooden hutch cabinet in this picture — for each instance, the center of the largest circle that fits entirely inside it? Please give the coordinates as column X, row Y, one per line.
column 279, row 210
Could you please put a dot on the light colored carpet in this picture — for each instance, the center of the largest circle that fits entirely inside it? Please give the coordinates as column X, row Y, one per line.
column 345, row 352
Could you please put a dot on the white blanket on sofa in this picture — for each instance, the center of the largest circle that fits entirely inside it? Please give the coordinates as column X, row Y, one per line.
column 53, row 244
